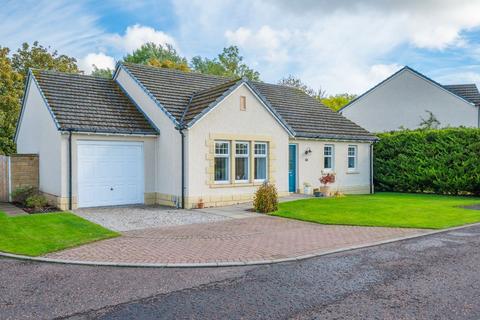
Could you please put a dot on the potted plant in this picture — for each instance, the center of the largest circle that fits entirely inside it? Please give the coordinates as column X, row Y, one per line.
column 325, row 180
column 200, row 204
column 316, row 192
column 307, row 188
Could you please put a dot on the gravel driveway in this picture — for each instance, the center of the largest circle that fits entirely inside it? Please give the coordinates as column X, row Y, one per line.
column 143, row 217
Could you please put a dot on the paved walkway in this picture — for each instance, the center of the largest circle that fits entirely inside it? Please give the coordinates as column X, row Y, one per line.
column 229, row 241
column 11, row 210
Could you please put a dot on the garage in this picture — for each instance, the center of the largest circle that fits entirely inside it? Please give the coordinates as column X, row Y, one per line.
column 110, row 173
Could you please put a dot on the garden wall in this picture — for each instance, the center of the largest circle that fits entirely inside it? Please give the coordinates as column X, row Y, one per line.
column 17, row 170
column 445, row 161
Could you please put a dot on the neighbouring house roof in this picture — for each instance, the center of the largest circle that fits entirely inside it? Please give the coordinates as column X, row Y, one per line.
column 187, row 95
column 467, row 91
column 90, row 104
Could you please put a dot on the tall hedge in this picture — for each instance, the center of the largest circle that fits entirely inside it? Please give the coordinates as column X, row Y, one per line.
column 444, row 161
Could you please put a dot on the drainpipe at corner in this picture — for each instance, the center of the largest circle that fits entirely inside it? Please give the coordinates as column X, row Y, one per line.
column 371, row 168
column 182, row 134
column 70, row 183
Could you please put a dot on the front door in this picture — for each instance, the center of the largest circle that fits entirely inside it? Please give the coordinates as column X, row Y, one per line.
column 292, row 168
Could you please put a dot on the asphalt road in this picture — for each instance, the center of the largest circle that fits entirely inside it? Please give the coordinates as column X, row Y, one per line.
column 434, row 277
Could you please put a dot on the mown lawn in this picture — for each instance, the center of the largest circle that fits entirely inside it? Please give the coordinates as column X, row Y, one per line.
column 385, row 210
column 38, row 234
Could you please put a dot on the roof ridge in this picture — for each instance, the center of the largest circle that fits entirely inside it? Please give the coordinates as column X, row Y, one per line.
column 81, row 75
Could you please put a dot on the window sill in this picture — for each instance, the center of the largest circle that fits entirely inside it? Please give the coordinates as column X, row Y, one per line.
column 236, row 184
column 353, row 172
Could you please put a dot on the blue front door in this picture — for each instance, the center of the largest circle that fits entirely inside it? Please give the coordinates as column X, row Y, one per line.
column 292, row 167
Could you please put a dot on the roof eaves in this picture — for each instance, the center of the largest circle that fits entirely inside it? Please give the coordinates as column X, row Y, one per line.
column 116, row 132
column 214, row 103
column 168, row 114
column 30, row 78
column 373, row 88
column 271, row 108
column 344, row 137
column 154, row 126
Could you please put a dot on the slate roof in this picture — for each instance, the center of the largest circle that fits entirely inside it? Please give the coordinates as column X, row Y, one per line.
column 91, row 104
column 306, row 116
column 468, row 92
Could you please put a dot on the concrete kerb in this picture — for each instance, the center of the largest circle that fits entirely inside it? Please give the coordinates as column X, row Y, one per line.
column 230, row 264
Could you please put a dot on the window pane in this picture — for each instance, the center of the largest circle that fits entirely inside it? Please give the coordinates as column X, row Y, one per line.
column 241, row 168
column 351, row 162
column 221, row 148
column 241, row 148
column 260, row 149
column 327, row 163
column 260, row 168
column 351, row 151
column 221, row 169
column 327, row 150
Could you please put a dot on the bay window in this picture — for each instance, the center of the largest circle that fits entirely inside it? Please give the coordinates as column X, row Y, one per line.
column 260, row 161
column 241, row 161
column 222, row 161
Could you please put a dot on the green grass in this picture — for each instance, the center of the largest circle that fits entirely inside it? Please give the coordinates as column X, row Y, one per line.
column 38, row 234
column 385, row 210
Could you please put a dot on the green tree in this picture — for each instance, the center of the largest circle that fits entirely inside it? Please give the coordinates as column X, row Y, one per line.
column 158, row 56
column 296, row 83
column 102, row 73
column 336, row 102
column 11, row 87
column 40, row 57
column 229, row 63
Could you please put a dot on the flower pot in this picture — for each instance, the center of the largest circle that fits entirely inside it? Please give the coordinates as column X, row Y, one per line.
column 307, row 190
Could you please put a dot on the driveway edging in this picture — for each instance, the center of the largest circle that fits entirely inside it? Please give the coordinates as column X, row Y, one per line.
column 229, row 264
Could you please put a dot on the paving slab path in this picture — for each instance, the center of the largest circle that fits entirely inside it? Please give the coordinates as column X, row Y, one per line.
column 258, row 238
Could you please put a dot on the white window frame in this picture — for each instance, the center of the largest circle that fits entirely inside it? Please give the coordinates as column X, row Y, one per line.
column 261, row 156
column 247, row 156
column 332, row 156
column 355, row 158
column 227, row 156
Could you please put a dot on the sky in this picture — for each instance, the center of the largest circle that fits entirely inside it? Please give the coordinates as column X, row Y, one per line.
column 338, row 46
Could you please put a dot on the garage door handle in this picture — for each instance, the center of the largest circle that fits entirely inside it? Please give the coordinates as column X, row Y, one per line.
column 111, row 189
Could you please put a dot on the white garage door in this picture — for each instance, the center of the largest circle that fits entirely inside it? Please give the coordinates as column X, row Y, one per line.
column 110, row 173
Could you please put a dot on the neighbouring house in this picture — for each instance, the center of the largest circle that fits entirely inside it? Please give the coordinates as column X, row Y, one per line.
column 407, row 98
column 161, row 136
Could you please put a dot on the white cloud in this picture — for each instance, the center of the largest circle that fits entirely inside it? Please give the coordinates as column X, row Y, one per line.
column 137, row 35
column 64, row 25
column 341, row 46
column 100, row 60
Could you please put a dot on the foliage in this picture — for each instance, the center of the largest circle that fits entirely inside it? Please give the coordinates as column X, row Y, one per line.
column 40, row 57
column 385, row 210
column 102, row 73
column 13, row 71
column 266, row 198
column 442, row 161
column 327, row 178
column 36, row 201
column 296, row 83
column 158, row 56
column 11, row 88
column 431, row 122
column 36, row 235
column 21, row 194
column 336, row 102
column 229, row 63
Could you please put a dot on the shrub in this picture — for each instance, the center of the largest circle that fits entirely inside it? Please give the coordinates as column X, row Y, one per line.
column 266, row 199
column 21, row 194
column 444, row 161
column 36, row 202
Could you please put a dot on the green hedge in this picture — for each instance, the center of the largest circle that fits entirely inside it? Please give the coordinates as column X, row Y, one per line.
column 445, row 161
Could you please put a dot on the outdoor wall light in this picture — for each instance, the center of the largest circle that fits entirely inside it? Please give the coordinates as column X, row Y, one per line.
column 308, row 151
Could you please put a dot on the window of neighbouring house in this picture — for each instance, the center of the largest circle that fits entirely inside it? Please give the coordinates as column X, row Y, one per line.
column 241, row 161
column 352, row 158
column 328, row 156
column 260, row 154
column 222, row 161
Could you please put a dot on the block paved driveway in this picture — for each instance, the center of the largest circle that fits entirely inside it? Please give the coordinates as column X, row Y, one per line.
column 246, row 239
